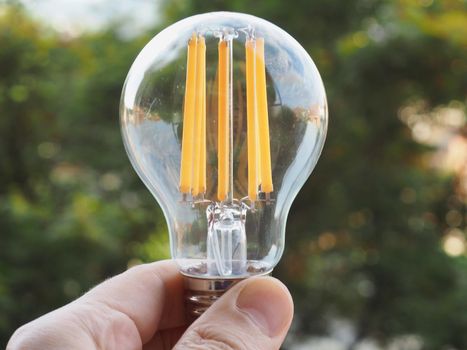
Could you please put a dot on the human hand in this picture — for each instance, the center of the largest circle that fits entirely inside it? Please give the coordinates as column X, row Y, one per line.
column 143, row 308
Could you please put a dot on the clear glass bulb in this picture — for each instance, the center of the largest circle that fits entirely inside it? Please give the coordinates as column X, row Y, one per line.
column 224, row 117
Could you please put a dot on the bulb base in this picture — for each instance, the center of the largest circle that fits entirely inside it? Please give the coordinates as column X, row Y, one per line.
column 201, row 293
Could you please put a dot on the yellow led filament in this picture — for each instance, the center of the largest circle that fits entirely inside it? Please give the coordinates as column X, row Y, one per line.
column 193, row 157
column 263, row 119
column 199, row 158
column 252, row 122
column 188, row 118
column 193, row 163
column 223, row 122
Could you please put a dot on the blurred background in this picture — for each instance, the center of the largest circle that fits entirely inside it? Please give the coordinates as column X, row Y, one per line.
column 376, row 241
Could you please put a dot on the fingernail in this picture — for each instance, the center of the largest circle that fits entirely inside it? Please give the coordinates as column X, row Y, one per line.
column 267, row 303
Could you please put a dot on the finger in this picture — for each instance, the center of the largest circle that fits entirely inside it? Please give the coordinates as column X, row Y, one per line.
column 165, row 339
column 124, row 312
column 151, row 295
column 255, row 314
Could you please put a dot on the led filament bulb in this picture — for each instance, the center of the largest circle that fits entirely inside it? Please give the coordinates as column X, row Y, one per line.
column 223, row 116
column 226, row 237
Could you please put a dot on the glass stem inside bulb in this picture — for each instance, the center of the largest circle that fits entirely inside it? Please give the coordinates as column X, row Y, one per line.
column 226, row 241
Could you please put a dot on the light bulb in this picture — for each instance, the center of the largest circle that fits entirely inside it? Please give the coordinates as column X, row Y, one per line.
column 223, row 117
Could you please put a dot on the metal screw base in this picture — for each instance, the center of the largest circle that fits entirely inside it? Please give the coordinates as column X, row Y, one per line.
column 201, row 293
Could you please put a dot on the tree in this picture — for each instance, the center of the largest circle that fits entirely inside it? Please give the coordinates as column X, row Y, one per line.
column 363, row 240
column 365, row 235
column 72, row 212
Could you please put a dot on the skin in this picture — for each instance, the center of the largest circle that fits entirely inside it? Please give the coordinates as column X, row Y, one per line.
column 143, row 308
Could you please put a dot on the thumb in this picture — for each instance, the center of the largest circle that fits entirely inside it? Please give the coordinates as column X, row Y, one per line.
column 255, row 314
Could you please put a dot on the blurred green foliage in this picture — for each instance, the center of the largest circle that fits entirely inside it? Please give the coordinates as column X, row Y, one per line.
column 365, row 235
